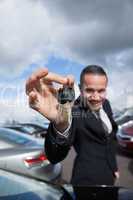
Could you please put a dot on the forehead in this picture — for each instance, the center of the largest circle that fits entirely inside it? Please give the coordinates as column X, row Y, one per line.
column 94, row 80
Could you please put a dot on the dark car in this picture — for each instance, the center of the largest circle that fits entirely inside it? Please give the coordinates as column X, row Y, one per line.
column 16, row 187
column 125, row 136
column 37, row 130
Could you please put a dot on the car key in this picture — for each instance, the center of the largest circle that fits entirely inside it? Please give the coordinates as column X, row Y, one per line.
column 66, row 94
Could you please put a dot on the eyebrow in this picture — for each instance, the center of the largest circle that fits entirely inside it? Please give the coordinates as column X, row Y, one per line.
column 92, row 89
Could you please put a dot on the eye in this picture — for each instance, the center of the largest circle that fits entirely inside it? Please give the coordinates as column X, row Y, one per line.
column 89, row 90
column 101, row 91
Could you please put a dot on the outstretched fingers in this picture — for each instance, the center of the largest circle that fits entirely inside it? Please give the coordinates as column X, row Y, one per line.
column 42, row 80
column 32, row 82
column 52, row 77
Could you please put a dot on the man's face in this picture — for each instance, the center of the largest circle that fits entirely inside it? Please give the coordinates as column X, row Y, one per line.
column 93, row 90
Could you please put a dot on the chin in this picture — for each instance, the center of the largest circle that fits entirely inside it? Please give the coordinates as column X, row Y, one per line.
column 94, row 107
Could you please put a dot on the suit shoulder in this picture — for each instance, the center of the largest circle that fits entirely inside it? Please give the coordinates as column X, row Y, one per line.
column 106, row 103
column 107, row 106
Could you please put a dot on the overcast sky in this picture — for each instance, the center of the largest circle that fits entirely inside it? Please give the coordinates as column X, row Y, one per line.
column 65, row 36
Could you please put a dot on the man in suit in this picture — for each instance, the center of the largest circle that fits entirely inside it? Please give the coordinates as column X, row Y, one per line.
column 87, row 124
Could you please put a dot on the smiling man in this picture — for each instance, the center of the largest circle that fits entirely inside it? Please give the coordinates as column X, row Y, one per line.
column 93, row 85
column 86, row 124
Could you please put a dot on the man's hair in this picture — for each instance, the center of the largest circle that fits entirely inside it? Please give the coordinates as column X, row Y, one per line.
column 92, row 69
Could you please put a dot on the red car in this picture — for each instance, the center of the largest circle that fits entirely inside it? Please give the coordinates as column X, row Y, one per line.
column 125, row 136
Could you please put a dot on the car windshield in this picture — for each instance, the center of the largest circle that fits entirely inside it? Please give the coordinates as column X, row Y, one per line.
column 14, row 137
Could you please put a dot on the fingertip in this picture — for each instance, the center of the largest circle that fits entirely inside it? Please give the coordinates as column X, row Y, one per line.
column 41, row 72
column 70, row 80
column 65, row 80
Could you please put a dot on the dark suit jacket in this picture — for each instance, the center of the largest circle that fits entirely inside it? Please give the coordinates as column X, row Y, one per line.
column 95, row 162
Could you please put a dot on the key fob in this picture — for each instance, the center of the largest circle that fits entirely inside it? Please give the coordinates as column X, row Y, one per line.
column 66, row 94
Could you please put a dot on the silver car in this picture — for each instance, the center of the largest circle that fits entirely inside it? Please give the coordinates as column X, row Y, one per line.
column 25, row 155
column 16, row 187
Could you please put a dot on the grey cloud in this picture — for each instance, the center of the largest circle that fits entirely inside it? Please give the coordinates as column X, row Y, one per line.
column 97, row 31
column 81, row 11
column 23, row 39
column 92, row 28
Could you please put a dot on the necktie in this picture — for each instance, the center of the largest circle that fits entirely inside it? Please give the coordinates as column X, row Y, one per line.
column 104, row 120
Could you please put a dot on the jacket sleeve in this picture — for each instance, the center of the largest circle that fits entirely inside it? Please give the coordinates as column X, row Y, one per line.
column 57, row 146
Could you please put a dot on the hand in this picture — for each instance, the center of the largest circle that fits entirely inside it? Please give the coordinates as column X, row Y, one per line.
column 43, row 95
column 117, row 175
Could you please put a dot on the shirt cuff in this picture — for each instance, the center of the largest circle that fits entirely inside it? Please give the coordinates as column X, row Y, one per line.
column 65, row 133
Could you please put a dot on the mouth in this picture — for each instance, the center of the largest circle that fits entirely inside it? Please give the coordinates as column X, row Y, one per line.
column 95, row 103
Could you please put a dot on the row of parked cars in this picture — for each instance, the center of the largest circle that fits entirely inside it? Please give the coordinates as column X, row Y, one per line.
column 26, row 173
column 22, row 151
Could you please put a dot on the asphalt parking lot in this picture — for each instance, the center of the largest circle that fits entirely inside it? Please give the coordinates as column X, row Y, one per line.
column 125, row 163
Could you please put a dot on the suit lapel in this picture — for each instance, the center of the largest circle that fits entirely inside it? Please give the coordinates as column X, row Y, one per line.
column 91, row 122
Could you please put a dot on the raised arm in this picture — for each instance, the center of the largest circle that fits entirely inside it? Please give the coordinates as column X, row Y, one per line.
column 43, row 97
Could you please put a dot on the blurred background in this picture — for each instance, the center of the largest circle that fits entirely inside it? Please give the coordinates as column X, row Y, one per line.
column 66, row 36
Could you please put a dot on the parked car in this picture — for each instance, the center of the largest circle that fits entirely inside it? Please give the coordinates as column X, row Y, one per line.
column 16, row 187
column 125, row 136
column 124, row 116
column 36, row 130
column 25, row 155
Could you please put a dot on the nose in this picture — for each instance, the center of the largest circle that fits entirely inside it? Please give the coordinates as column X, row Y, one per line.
column 95, row 96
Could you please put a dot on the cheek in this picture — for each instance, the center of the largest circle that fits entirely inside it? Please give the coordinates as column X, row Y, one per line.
column 89, row 96
column 86, row 95
column 100, row 98
column 103, row 97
